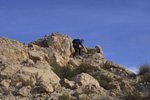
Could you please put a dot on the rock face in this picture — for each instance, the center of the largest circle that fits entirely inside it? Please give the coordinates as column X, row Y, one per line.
column 60, row 46
column 12, row 51
column 27, row 72
column 84, row 79
column 35, row 74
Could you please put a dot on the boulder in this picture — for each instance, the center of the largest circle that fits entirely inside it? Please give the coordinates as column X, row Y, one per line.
column 10, row 70
column 99, row 49
column 84, row 79
column 66, row 83
column 83, row 97
column 59, row 49
column 125, row 86
column 24, row 91
column 35, row 75
column 13, row 50
column 46, row 86
column 5, row 83
column 74, row 62
column 94, row 59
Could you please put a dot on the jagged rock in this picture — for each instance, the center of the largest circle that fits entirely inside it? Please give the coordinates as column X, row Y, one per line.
column 66, row 83
column 99, row 49
column 46, row 86
column 113, row 85
column 60, row 46
column 5, row 83
column 91, row 50
column 30, row 62
column 34, row 46
column 13, row 50
column 57, row 87
column 95, row 59
column 125, row 86
column 74, row 62
column 10, row 70
column 139, row 78
column 119, row 69
column 36, row 56
column 24, row 91
column 84, row 79
column 83, row 97
column 42, row 65
column 35, row 75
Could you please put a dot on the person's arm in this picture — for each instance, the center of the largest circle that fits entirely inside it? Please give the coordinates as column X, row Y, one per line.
column 81, row 44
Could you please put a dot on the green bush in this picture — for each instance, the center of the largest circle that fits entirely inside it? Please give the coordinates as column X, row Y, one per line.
column 87, row 91
column 133, row 96
column 146, row 77
column 119, row 79
column 145, row 68
column 85, row 68
column 67, row 72
column 63, row 72
column 103, row 83
column 65, row 97
column 107, row 65
column 103, row 80
column 27, row 82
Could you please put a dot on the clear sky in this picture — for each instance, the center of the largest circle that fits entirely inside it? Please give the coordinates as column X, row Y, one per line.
column 120, row 27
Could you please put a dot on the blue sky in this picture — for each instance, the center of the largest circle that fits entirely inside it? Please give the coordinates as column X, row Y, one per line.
column 120, row 27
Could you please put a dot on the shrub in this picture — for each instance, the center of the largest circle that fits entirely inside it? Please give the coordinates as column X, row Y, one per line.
column 67, row 72
column 86, row 68
column 119, row 79
column 133, row 96
column 107, row 65
column 63, row 72
column 103, row 80
column 146, row 77
column 27, row 82
column 87, row 91
column 65, row 97
column 145, row 68
column 103, row 83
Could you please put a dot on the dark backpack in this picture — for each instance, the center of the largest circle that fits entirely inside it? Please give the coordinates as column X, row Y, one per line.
column 75, row 40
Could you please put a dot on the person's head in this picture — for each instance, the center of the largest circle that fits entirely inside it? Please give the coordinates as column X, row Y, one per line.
column 82, row 41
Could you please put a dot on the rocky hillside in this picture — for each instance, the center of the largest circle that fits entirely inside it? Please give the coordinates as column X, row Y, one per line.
column 45, row 70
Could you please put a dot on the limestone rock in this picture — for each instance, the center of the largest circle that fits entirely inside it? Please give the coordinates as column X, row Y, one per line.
column 46, row 86
column 24, row 91
column 10, row 70
column 125, row 85
column 60, row 48
column 74, row 62
column 83, row 97
column 113, row 85
column 66, row 83
column 36, row 75
column 84, row 79
column 99, row 49
column 13, row 50
column 5, row 83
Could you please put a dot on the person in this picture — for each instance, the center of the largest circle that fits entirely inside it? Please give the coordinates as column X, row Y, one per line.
column 76, row 45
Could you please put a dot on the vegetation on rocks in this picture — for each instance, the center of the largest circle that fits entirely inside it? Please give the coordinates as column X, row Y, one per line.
column 25, row 72
column 145, row 71
column 69, row 73
column 65, row 97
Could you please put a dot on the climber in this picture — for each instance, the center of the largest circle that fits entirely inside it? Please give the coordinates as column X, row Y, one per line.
column 77, row 43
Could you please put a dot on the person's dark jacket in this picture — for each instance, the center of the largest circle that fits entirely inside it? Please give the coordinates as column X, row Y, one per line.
column 77, row 42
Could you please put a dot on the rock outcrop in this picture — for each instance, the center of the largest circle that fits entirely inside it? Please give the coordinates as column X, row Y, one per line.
column 27, row 72
column 84, row 79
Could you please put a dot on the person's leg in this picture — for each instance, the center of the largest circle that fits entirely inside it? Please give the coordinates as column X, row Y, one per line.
column 79, row 51
column 75, row 50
